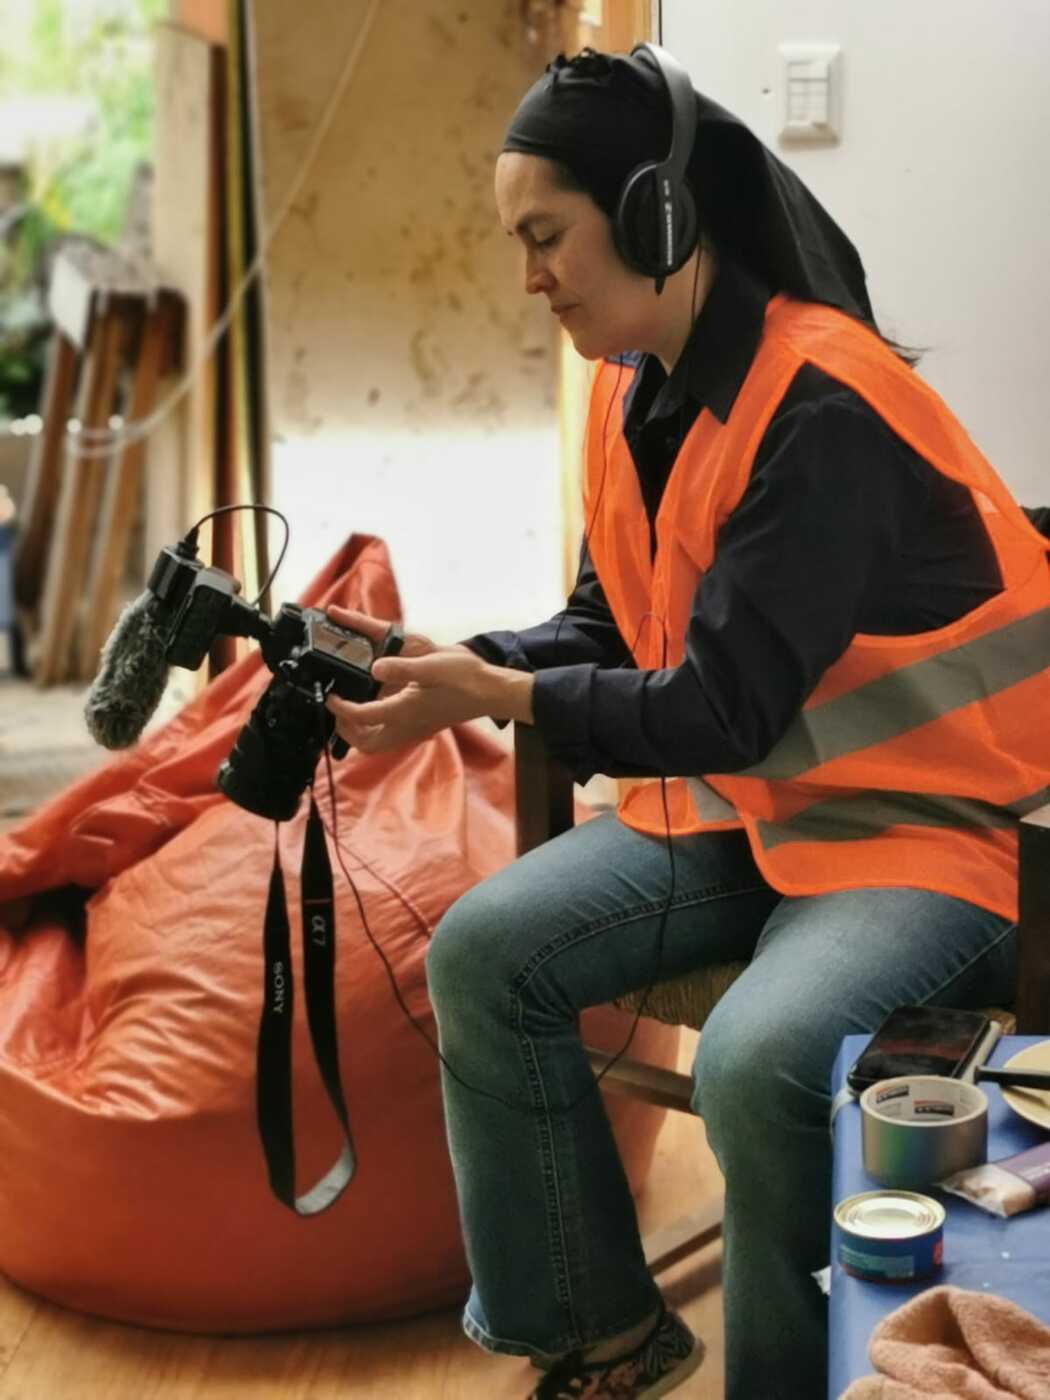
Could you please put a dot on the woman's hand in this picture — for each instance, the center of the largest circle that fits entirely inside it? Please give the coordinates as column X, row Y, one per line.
column 424, row 689
column 375, row 630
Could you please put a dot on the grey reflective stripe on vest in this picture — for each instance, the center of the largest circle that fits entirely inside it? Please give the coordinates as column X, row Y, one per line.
column 858, row 818
column 911, row 696
column 710, row 807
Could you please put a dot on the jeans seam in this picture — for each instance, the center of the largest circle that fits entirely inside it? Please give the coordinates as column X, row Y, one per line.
column 549, row 1161
column 1011, row 928
column 626, row 916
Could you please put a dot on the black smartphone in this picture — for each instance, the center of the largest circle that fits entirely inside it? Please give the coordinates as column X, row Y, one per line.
column 920, row 1040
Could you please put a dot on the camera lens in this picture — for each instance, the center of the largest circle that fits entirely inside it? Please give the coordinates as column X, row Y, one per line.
column 276, row 752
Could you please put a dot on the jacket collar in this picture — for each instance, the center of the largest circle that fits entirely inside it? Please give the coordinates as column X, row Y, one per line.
column 716, row 357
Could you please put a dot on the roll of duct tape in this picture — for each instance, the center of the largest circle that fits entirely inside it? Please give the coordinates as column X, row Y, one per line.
column 920, row 1128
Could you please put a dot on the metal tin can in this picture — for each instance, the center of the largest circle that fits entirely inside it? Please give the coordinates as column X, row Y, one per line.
column 890, row 1236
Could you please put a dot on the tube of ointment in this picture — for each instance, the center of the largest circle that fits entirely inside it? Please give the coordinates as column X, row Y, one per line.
column 1006, row 1187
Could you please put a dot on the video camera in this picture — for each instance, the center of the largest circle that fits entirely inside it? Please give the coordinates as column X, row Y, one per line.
column 276, row 752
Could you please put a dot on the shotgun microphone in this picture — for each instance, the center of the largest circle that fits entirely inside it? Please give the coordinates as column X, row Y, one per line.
column 132, row 675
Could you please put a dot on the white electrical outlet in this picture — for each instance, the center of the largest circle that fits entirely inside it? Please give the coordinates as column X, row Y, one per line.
column 811, row 83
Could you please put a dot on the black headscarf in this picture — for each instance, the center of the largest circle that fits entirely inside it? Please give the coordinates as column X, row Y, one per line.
column 603, row 115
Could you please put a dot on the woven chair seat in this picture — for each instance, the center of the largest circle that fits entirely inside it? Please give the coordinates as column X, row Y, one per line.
column 689, row 1000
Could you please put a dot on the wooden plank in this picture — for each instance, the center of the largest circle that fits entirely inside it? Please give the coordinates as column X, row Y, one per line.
column 83, row 478
column 574, row 387
column 234, row 556
column 259, row 464
column 684, row 1236
column 616, row 26
column 664, row 1087
column 240, row 470
column 223, row 483
column 121, row 496
column 84, row 277
column 1033, row 927
column 628, row 22
column 206, row 18
column 187, row 220
column 45, row 472
column 612, row 25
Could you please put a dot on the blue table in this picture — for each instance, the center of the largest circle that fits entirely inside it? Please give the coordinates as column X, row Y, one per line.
column 981, row 1251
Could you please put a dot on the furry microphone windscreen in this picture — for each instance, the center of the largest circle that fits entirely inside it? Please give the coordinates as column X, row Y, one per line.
column 131, row 677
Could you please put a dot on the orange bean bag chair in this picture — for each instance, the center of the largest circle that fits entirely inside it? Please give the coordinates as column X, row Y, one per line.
column 132, row 1181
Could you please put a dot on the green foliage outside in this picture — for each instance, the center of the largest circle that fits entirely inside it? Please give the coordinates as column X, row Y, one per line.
column 94, row 49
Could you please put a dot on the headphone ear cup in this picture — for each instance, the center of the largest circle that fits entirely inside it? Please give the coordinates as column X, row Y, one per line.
column 638, row 226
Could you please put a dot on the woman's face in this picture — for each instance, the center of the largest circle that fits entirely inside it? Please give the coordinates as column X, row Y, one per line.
column 570, row 258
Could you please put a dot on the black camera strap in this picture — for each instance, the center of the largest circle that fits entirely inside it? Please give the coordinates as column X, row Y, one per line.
column 274, row 1066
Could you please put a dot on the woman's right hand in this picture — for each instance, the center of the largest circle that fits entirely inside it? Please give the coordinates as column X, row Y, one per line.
column 375, row 630
column 375, row 726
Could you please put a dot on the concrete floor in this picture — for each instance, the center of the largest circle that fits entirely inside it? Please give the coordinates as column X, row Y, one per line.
column 44, row 744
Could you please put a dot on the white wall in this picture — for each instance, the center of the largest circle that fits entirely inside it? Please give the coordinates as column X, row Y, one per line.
column 941, row 179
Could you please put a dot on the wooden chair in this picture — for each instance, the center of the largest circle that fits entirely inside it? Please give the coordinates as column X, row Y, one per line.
column 544, row 808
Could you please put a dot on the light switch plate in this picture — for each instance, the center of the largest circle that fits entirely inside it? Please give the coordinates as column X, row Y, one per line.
column 811, row 92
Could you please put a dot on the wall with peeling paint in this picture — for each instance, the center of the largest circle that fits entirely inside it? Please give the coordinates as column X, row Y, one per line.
column 411, row 380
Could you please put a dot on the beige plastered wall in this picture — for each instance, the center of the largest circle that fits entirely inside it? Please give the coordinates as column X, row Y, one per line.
column 411, row 381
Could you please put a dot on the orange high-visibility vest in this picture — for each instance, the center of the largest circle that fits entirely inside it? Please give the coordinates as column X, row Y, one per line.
column 914, row 757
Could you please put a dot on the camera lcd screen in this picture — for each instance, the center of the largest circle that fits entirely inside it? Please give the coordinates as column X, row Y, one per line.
column 349, row 647
column 919, row 1040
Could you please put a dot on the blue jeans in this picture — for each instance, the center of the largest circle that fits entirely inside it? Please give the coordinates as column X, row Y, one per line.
column 548, row 1219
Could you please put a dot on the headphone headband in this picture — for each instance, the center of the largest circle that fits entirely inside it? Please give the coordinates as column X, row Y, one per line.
column 656, row 220
column 683, row 109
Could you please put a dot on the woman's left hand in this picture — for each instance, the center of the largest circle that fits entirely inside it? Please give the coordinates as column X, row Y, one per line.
column 446, row 686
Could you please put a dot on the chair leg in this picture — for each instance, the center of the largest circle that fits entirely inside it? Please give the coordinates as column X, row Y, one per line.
column 664, row 1087
column 1033, row 926
column 684, row 1236
column 668, row 1089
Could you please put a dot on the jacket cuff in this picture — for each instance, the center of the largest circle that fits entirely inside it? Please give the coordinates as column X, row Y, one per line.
column 499, row 649
column 561, row 709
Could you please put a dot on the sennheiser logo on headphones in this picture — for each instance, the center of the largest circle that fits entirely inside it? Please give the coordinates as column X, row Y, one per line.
column 669, row 221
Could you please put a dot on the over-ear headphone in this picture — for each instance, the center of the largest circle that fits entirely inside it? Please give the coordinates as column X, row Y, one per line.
column 655, row 227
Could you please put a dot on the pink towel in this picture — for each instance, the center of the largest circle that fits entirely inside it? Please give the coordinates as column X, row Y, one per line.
column 953, row 1344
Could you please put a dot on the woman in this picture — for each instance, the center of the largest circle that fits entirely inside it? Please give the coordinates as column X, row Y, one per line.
column 807, row 602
